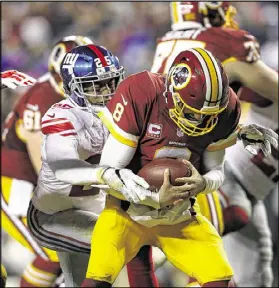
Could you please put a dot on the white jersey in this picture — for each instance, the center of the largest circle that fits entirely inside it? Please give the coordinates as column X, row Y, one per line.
column 70, row 132
column 259, row 175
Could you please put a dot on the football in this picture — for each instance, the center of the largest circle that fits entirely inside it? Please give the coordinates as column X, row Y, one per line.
column 153, row 172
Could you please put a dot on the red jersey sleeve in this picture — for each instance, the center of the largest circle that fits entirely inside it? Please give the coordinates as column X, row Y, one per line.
column 231, row 45
column 246, row 47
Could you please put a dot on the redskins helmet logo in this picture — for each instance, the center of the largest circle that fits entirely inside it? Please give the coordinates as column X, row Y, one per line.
column 180, row 76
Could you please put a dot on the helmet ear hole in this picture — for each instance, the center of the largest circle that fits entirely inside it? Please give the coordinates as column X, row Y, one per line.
column 73, row 87
column 57, row 54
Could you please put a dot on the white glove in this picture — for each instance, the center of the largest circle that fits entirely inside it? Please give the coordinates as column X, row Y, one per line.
column 255, row 137
column 13, row 79
column 266, row 274
column 133, row 187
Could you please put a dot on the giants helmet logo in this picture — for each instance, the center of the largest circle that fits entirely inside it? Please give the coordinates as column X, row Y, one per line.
column 69, row 62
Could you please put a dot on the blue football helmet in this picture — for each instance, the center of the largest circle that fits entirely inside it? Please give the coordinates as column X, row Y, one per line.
column 90, row 75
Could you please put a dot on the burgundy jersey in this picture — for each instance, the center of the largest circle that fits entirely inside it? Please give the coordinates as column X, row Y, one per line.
column 137, row 115
column 226, row 44
column 28, row 110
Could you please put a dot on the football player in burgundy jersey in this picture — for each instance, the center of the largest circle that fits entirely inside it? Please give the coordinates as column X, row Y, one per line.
column 13, row 79
column 21, row 158
column 192, row 114
column 211, row 25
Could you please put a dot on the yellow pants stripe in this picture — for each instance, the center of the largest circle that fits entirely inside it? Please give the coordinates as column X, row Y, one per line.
column 210, row 207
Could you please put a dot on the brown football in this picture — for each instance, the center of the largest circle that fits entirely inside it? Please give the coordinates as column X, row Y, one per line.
column 153, row 172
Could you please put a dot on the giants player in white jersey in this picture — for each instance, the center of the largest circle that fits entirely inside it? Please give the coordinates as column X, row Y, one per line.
column 64, row 208
column 211, row 25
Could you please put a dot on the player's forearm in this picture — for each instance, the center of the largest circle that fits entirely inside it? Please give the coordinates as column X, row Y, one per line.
column 257, row 76
column 118, row 155
column 214, row 179
column 214, row 164
column 76, row 171
column 61, row 154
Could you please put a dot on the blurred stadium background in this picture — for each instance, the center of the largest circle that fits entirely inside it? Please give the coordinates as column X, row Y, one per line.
column 129, row 29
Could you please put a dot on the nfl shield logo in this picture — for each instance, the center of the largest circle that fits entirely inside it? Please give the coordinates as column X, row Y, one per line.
column 179, row 132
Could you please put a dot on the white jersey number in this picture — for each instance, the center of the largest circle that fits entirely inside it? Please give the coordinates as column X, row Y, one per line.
column 32, row 120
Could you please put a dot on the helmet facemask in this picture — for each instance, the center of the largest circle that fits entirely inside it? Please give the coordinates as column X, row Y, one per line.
column 97, row 90
column 215, row 14
column 229, row 21
column 193, row 122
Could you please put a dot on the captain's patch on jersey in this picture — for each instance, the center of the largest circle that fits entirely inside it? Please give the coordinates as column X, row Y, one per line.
column 154, row 130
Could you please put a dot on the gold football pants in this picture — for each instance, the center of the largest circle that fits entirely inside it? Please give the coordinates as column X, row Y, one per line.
column 193, row 246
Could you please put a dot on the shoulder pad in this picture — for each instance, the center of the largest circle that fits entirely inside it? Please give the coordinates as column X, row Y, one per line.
column 62, row 119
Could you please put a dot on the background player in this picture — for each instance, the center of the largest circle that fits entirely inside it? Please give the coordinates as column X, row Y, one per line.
column 211, row 25
column 13, row 79
column 21, row 161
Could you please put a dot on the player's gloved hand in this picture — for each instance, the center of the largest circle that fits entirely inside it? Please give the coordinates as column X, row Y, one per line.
column 169, row 194
column 266, row 274
column 255, row 137
column 13, row 79
column 193, row 184
column 133, row 187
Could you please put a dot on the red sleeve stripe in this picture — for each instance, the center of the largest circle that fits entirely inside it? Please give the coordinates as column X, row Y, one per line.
column 99, row 54
column 57, row 128
column 56, row 123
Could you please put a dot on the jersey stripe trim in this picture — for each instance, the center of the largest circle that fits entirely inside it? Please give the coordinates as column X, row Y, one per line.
column 213, row 212
column 115, row 131
column 99, row 54
column 219, row 211
column 231, row 59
